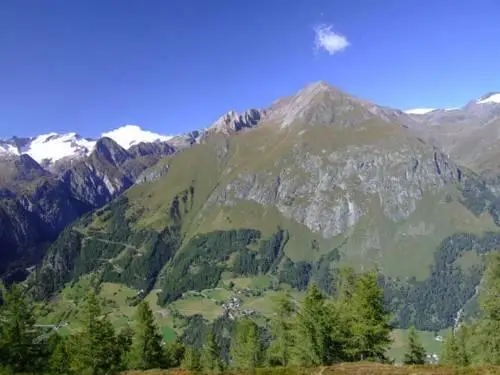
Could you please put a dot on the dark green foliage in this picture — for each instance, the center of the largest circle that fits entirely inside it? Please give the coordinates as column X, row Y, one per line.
column 323, row 271
column 456, row 351
column 96, row 349
column 315, row 336
column 200, row 263
column 146, row 351
column 59, row 362
column 415, row 354
column 282, row 332
column 270, row 253
column 140, row 272
column 296, row 274
column 432, row 304
column 174, row 354
column 367, row 320
column 487, row 331
column 19, row 349
column 61, row 256
column 191, row 360
column 211, row 355
column 478, row 198
column 195, row 331
column 247, row 351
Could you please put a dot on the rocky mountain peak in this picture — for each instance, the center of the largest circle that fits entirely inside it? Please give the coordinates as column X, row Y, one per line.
column 109, row 150
column 232, row 121
column 320, row 104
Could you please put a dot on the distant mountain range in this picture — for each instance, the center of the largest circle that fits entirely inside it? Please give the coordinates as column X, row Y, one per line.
column 288, row 192
column 48, row 149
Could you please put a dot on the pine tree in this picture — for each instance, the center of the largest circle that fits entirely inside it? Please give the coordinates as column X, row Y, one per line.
column 174, row 354
column 415, row 354
column 211, row 355
column 316, row 331
column 59, row 362
column 282, row 332
column 369, row 323
column 146, row 351
column 95, row 349
column 455, row 351
column 488, row 330
column 246, row 347
column 191, row 361
column 19, row 351
column 449, row 352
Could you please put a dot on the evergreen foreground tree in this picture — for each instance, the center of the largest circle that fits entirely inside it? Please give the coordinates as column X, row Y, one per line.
column 455, row 351
column 211, row 355
column 415, row 354
column 246, row 349
column 488, row 328
column 191, row 360
column 369, row 326
column 19, row 351
column 95, row 350
column 282, row 332
column 309, row 333
column 146, row 351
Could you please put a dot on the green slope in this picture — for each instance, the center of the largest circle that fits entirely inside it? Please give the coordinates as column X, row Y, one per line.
column 292, row 204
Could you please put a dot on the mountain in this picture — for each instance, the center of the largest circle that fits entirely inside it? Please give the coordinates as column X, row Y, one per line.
column 469, row 134
column 285, row 195
column 52, row 148
column 36, row 203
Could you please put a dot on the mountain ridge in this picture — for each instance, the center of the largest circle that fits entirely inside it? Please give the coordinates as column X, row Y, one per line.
column 322, row 179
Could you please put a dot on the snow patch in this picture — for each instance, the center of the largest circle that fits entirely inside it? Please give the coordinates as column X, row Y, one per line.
column 53, row 146
column 419, row 111
column 8, row 149
column 129, row 135
column 494, row 98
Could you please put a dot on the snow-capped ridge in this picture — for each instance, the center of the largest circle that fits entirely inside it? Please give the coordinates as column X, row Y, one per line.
column 129, row 135
column 419, row 111
column 491, row 98
column 52, row 147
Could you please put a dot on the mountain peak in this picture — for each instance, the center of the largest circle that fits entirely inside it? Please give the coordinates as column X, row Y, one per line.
column 490, row 98
column 319, row 103
column 233, row 121
column 129, row 135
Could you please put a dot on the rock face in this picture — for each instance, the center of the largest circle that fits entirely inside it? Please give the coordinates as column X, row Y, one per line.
column 334, row 177
column 233, row 122
column 469, row 134
column 36, row 205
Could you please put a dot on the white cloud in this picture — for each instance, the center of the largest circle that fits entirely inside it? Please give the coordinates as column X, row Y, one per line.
column 327, row 39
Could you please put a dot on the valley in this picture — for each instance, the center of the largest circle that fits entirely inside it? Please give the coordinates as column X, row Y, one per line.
column 217, row 223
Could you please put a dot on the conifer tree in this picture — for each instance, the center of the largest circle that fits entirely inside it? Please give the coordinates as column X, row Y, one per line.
column 146, row 351
column 415, row 354
column 369, row 323
column 316, row 331
column 191, row 360
column 282, row 332
column 211, row 355
column 488, row 329
column 59, row 362
column 95, row 349
column 19, row 351
column 246, row 347
column 449, row 352
column 174, row 354
column 455, row 351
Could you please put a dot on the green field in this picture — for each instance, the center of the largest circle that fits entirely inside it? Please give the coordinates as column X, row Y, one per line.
column 208, row 303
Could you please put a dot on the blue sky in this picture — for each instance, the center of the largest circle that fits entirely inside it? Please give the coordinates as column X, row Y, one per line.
column 172, row 66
